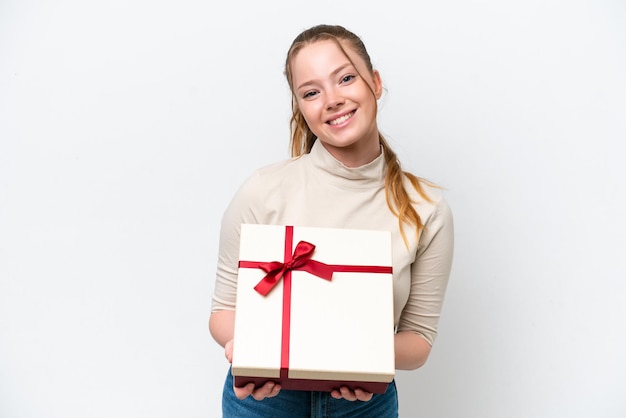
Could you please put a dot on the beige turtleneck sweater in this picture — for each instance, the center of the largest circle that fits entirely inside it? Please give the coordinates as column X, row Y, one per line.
column 317, row 190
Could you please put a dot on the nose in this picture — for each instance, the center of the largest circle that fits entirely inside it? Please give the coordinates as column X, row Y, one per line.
column 334, row 99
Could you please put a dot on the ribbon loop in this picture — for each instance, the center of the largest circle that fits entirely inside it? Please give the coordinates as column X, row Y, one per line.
column 301, row 260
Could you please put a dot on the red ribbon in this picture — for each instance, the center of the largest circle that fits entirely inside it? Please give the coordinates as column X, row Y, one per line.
column 300, row 259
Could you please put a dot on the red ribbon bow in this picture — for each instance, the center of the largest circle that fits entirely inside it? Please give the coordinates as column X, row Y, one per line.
column 301, row 260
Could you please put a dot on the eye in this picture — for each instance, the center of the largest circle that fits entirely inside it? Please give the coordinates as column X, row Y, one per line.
column 348, row 78
column 309, row 94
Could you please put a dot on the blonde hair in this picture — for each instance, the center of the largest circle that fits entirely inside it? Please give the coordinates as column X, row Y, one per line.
column 302, row 138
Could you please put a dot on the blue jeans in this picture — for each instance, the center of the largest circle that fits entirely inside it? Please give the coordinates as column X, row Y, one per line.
column 303, row 404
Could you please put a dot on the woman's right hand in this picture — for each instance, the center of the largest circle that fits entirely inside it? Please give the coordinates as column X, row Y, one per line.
column 268, row 390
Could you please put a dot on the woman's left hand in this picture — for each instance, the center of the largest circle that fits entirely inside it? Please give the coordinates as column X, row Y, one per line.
column 351, row 395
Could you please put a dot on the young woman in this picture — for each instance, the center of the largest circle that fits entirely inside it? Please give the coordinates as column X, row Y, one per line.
column 343, row 174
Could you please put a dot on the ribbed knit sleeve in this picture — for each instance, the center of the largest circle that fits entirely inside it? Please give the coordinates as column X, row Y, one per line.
column 242, row 209
column 429, row 274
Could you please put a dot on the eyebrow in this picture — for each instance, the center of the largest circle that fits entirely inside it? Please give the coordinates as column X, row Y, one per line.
column 334, row 73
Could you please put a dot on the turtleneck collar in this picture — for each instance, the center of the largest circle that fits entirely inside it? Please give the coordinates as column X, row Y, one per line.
column 369, row 175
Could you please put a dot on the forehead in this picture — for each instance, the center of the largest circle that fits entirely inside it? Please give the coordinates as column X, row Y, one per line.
column 321, row 58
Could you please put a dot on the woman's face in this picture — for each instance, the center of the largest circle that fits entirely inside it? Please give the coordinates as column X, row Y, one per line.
column 336, row 102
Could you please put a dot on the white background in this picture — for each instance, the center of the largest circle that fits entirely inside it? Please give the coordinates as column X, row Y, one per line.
column 126, row 126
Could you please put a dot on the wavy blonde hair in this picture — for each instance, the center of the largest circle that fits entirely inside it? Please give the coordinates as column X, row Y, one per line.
column 302, row 138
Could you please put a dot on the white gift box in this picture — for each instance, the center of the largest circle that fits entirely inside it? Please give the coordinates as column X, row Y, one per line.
column 310, row 332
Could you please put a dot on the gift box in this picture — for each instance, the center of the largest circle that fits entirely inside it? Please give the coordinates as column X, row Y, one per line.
column 314, row 308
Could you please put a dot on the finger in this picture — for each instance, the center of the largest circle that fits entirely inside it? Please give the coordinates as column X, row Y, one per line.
column 335, row 394
column 243, row 392
column 347, row 394
column 264, row 391
column 274, row 391
column 363, row 395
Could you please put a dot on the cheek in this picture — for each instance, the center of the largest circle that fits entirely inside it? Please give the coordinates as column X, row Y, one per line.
column 370, row 101
column 310, row 113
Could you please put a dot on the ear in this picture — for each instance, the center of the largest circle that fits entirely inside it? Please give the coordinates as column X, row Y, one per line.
column 378, row 84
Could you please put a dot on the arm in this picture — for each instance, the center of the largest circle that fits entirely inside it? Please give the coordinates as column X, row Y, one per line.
column 222, row 326
column 430, row 271
column 412, row 350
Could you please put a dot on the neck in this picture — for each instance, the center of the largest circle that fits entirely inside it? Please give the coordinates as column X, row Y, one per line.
column 357, row 154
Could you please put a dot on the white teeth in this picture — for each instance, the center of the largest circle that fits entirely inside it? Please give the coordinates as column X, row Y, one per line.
column 341, row 119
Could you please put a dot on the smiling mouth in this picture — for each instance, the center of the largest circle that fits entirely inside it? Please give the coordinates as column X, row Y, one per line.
column 341, row 119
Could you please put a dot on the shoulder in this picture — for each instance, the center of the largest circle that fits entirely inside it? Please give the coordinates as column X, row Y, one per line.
column 265, row 183
column 428, row 201
column 277, row 169
column 271, row 176
column 437, row 218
